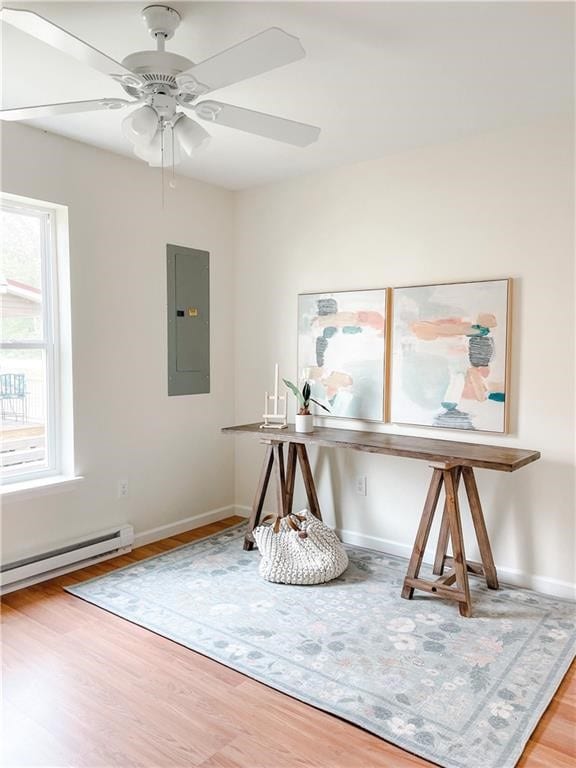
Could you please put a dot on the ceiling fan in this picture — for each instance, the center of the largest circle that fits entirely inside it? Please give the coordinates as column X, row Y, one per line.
column 163, row 83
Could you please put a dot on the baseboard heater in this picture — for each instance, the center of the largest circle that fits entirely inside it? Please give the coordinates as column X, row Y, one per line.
column 76, row 554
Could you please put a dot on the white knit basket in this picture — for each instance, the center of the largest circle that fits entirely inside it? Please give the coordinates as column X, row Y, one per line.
column 290, row 558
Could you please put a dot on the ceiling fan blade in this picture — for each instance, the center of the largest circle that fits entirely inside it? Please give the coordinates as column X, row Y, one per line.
column 261, row 53
column 44, row 30
column 50, row 110
column 269, row 126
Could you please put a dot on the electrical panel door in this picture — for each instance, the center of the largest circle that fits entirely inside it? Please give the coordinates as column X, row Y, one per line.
column 188, row 320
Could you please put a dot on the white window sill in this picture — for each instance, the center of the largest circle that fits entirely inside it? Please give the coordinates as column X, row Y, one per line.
column 39, row 487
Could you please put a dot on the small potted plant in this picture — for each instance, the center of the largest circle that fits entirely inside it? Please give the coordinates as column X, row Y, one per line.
column 304, row 419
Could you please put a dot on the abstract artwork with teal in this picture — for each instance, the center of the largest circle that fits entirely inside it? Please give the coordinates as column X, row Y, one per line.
column 450, row 355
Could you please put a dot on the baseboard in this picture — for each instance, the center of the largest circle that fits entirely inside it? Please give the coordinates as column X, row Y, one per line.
column 140, row 539
column 511, row 576
column 187, row 524
column 543, row 584
column 57, row 572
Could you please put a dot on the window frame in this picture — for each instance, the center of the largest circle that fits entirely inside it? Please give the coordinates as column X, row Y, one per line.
column 50, row 343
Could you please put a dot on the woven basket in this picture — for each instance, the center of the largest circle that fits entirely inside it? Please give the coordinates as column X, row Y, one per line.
column 299, row 549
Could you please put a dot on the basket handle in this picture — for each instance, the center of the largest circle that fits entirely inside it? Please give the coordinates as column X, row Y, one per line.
column 293, row 519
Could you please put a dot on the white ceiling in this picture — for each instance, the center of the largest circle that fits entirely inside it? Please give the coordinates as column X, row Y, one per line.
column 379, row 77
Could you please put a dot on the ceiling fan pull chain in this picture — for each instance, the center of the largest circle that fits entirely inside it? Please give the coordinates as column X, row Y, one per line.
column 161, row 81
column 162, row 158
column 172, row 182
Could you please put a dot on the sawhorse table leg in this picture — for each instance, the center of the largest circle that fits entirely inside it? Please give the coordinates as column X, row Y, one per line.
column 454, row 584
column 285, row 477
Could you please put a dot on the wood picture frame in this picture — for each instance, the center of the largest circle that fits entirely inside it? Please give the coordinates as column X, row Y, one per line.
column 449, row 355
column 342, row 351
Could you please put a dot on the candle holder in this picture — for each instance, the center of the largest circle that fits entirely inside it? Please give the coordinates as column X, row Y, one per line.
column 275, row 420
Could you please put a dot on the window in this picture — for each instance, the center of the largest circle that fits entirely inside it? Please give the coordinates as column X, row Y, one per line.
column 33, row 319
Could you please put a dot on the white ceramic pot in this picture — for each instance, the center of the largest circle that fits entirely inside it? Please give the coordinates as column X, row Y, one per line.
column 304, row 423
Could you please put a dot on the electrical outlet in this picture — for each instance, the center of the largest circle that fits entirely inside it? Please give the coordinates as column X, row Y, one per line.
column 122, row 489
column 361, row 488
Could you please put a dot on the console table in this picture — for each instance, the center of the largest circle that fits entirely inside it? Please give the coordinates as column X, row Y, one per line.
column 451, row 462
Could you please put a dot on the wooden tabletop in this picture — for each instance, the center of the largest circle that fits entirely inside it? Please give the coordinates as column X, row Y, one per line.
column 425, row 448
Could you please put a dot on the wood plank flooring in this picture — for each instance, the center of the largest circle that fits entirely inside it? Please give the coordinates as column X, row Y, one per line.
column 85, row 689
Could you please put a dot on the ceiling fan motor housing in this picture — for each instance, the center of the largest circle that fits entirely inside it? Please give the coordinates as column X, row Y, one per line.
column 157, row 69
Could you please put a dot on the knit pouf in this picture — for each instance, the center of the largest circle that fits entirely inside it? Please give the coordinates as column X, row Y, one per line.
column 299, row 549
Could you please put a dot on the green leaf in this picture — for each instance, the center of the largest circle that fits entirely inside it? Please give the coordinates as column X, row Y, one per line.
column 478, row 679
column 320, row 404
column 295, row 390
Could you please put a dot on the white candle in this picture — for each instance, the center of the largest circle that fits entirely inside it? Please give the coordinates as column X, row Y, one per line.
column 276, row 390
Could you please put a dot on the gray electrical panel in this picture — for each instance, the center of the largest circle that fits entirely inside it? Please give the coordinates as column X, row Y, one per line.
column 188, row 320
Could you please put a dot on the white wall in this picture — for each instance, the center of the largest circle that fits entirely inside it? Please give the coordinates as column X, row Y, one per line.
column 169, row 448
column 496, row 206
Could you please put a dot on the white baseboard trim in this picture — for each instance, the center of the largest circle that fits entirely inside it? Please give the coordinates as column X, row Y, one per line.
column 543, row 584
column 514, row 577
column 140, row 539
column 57, row 572
column 187, row 524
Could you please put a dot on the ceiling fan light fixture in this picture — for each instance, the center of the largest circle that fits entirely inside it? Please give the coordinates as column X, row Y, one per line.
column 162, row 151
column 141, row 125
column 159, row 81
column 190, row 136
column 143, row 152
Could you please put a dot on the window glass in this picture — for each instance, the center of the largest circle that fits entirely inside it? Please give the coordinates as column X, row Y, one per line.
column 23, row 394
column 28, row 377
column 22, row 245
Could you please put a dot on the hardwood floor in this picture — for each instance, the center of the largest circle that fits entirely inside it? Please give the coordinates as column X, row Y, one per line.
column 85, row 689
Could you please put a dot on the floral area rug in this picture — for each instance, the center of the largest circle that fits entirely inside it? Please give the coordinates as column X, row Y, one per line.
column 462, row 693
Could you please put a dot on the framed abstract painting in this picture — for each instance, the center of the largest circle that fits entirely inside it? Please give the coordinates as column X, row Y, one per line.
column 341, row 350
column 450, row 355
